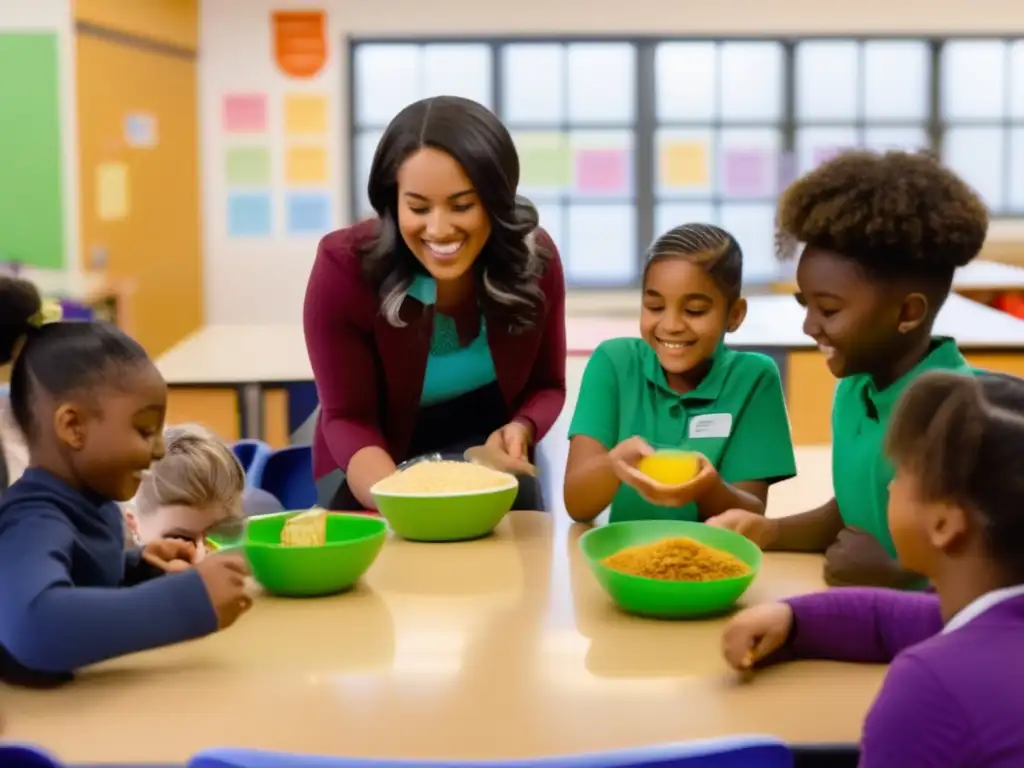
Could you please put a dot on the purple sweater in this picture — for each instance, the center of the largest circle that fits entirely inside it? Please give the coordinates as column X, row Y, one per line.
column 950, row 699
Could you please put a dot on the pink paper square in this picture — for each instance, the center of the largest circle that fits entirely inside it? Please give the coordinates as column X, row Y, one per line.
column 603, row 171
column 245, row 113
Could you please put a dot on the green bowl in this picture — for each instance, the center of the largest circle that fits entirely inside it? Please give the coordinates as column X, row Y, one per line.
column 668, row 599
column 446, row 517
column 353, row 543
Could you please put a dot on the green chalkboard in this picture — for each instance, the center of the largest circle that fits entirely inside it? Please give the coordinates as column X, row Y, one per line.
column 31, row 197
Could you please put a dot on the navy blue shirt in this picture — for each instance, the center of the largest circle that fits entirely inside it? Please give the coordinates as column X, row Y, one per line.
column 71, row 595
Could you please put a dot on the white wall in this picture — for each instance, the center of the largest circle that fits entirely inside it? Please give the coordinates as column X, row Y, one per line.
column 55, row 16
column 263, row 281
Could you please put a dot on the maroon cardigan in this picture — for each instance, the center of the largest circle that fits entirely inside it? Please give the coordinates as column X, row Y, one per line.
column 369, row 374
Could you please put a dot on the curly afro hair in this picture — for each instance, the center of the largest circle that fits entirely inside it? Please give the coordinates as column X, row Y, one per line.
column 898, row 214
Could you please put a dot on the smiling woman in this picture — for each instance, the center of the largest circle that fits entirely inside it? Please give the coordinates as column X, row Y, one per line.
column 439, row 324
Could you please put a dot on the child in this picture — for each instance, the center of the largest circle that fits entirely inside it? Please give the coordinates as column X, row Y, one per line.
column 194, row 490
column 680, row 387
column 882, row 235
column 91, row 406
column 954, row 693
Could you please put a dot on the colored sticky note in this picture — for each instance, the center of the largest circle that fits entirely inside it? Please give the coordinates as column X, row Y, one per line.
column 249, row 214
column 306, row 165
column 544, row 160
column 684, row 164
column 747, row 173
column 140, row 130
column 245, row 113
column 602, row 171
column 111, row 191
column 247, row 165
column 308, row 213
column 305, row 114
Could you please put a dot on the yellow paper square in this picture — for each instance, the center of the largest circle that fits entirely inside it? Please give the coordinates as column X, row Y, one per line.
column 306, row 165
column 111, row 191
column 305, row 114
column 685, row 164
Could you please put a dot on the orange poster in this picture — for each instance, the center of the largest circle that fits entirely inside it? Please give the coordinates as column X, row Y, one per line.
column 300, row 41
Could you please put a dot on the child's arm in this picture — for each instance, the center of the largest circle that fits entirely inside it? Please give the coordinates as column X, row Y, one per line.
column 590, row 482
column 811, row 531
column 861, row 624
column 137, row 570
column 720, row 496
column 49, row 625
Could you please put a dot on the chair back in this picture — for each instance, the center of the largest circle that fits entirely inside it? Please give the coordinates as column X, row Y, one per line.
column 733, row 752
column 288, row 476
column 252, row 455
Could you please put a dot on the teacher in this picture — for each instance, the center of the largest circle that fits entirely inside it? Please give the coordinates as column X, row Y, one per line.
column 439, row 324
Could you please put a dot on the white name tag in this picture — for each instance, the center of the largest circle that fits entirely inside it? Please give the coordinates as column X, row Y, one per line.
column 711, row 425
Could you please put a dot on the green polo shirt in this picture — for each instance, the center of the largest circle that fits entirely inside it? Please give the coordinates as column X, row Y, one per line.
column 736, row 417
column 452, row 370
column 860, row 417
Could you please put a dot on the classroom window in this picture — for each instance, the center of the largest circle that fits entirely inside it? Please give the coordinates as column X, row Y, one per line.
column 620, row 140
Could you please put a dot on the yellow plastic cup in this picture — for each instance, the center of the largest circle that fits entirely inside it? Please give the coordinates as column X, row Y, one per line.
column 670, row 467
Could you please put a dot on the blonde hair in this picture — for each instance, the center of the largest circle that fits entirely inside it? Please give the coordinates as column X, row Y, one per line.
column 198, row 470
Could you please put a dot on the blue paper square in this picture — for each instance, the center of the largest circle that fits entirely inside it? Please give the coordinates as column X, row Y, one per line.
column 308, row 213
column 249, row 214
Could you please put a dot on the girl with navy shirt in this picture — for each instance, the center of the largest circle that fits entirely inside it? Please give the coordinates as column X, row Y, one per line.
column 91, row 406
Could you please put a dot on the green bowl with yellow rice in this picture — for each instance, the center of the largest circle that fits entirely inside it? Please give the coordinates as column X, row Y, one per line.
column 445, row 500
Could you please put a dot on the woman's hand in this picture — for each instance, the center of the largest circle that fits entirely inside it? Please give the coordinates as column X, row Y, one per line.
column 627, row 454
column 755, row 633
column 512, row 442
column 170, row 555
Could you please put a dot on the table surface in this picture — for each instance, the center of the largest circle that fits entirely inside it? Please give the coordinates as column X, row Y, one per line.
column 979, row 275
column 238, row 354
column 503, row 647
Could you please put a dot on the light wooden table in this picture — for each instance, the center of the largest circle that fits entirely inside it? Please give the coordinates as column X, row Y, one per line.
column 977, row 278
column 231, row 377
column 503, row 647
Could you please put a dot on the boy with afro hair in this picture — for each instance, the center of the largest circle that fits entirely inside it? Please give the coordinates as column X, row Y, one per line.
column 881, row 236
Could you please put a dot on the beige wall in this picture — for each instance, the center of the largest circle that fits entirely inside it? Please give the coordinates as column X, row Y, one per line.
column 234, row 41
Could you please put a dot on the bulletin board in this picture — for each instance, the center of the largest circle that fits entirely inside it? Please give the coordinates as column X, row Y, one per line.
column 139, row 176
column 31, row 197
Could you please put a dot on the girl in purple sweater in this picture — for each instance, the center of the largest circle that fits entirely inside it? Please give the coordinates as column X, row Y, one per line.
column 954, row 694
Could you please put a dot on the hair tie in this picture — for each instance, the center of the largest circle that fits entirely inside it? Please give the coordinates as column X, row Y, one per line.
column 49, row 312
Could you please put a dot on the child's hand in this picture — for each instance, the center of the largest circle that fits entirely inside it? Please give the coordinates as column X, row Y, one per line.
column 170, row 555
column 225, row 582
column 759, row 529
column 857, row 558
column 670, row 495
column 756, row 633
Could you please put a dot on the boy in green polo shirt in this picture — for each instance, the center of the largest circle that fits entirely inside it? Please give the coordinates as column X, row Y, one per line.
column 680, row 387
column 882, row 235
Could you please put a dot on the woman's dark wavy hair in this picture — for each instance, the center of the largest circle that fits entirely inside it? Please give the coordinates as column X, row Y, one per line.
column 57, row 358
column 961, row 438
column 508, row 267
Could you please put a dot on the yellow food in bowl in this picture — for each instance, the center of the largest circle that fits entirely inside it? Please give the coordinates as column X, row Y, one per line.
column 670, row 467
column 307, row 529
column 437, row 478
column 677, row 559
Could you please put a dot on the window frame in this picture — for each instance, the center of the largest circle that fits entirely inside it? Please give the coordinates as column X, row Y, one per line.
column 646, row 123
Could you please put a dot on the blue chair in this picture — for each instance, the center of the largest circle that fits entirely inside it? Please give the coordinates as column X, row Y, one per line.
column 26, row 756
column 737, row 752
column 252, row 455
column 288, row 476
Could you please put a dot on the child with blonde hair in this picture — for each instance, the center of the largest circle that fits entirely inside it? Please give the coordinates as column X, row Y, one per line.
column 193, row 491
